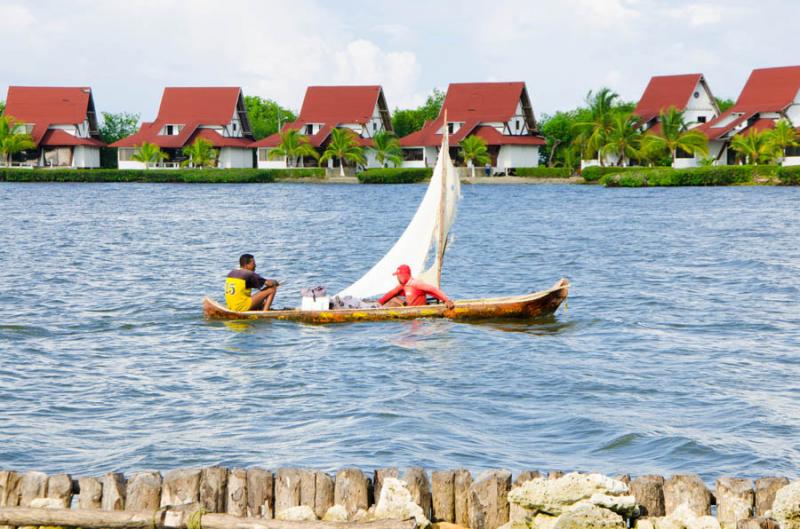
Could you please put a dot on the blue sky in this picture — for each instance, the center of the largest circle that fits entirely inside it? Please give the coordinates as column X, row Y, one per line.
column 129, row 50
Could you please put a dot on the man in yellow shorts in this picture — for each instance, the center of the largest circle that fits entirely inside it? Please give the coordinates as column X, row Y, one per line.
column 240, row 282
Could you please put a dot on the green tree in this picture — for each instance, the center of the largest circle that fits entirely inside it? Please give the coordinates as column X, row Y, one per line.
column 474, row 152
column 653, row 153
column 11, row 140
column 344, row 147
column 675, row 135
column 622, row 138
column 2, row 107
column 265, row 116
column 149, row 153
column 594, row 127
column 754, row 147
column 292, row 146
column 201, row 154
column 404, row 122
column 387, row 149
column 114, row 128
column 782, row 137
column 559, row 131
column 724, row 104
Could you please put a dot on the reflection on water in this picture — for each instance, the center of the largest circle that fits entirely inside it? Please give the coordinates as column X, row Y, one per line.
column 678, row 351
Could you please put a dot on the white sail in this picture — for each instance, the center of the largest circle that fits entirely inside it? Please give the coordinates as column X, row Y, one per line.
column 420, row 237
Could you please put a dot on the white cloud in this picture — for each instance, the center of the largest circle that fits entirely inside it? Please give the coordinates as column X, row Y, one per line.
column 697, row 14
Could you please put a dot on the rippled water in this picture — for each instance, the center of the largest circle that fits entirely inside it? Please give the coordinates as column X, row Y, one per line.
column 679, row 350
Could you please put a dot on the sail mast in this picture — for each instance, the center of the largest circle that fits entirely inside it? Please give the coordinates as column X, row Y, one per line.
column 440, row 246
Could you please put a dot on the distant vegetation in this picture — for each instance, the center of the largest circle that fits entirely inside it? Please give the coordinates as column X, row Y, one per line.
column 399, row 175
column 265, row 116
column 406, row 121
column 724, row 104
column 344, row 147
column 292, row 147
column 2, row 106
column 12, row 140
column 723, row 175
column 387, row 149
column 114, row 128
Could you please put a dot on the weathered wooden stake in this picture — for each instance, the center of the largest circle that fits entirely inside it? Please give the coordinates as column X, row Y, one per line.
column 287, row 489
column 91, row 494
column 488, row 500
column 59, row 487
column 113, row 492
column 443, row 498
column 260, row 492
column 142, row 492
column 32, row 485
column 323, row 499
column 690, row 489
column 213, row 482
column 236, row 493
column 380, row 475
column 766, row 488
column 649, row 493
column 462, row 481
column 181, row 487
column 351, row 490
column 735, row 501
column 420, row 488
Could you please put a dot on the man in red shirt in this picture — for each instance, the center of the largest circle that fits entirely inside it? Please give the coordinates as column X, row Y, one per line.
column 414, row 290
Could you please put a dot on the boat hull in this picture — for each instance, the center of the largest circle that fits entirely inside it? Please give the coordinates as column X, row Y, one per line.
column 523, row 307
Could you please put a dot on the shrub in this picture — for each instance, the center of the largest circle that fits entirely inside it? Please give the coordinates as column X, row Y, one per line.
column 396, row 175
column 594, row 173
column 789, row 176
column 195, row 176
column 543, row 172
column 694, row 176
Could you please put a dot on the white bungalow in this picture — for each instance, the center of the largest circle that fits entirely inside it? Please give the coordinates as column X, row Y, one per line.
column 500, row 113
column 362, row 109
column 188, row 113
column 62, row 122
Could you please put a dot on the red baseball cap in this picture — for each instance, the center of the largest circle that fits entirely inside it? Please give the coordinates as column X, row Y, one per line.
column 402, row 270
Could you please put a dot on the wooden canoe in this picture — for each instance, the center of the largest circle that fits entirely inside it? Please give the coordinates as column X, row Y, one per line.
column 524, row 307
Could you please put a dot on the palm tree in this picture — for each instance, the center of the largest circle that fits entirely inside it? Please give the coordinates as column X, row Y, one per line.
column 754, row 146
column 292, row 146
column 593, row 130
column 387, row 149
column 201, row 154
column 782, row 137
column 675, row 135
column 474, row 151
column 622, row 139
column 148, row 153
column 343, row 147
column 11, row 141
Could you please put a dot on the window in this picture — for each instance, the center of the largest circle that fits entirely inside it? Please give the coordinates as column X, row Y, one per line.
column 450, row 127
column 374, row 126
column 234, row 126
column 696, row 95
column 263, row 155
column 170, row 130
column 125, row 154
column 701, row 119
column 792, row 151
column 412, row 155
column 517, row 125
column 683, row 154
column 309, row 129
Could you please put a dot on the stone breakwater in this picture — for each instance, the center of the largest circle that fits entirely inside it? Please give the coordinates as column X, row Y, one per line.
column 443, row 498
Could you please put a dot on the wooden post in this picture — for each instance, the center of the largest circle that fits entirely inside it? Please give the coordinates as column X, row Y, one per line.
column 91, row 494
column 113, row 492
column 32, row 485
column 142, row 492
column 649, row 494
column 260, row 493
column 236, row 496
column 517, row 513
column 9, row 490
column 735, row 501
column 443, row 499
column 488, row 500
column 419, row 486
column 351, row 490
column 380, row 475
column 59, row 487
column 308, row 487
column 323, row 499
column 690, row 489
column 213, row 482
column 766, row 488
column 181, row 487
column 462, row 481
column 287, row 489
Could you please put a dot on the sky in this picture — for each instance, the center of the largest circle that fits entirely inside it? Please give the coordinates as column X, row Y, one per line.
column 127, row 51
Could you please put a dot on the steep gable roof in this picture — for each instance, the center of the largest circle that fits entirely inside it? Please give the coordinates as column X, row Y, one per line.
column 43, row 106
column 665, row 91
column 770, row 89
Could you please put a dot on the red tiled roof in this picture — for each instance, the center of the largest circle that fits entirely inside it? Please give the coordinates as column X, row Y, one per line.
column 316, row 140
column 339, row 104
column 218, row 140
column 761, row 124
column 769, row 89
column 492, row 137
column 43, row 106
column 664, row 91
column 714, row 132
column 62, row 138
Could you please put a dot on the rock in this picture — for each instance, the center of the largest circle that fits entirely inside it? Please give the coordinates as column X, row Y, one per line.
column 260, row 485
column 555, row 474
column 443, row 505
column 786, row 507
column 622, row 505
column 336, row 513
column 667, row 523
column 420, row 488
column 32, row 485
column 351, row 490
column 142, row 492
column 448, row 525
column 488, row 500
column 735, row 501
column 649, row 494
column 517, row 513
column 379, row 475
column 757, row 523
column 554, row 496
column 589, row 516
column 544, row 521
column 765, row 493
column 688, row 489
column 462, row 481
column 287, row 488
column 47, row 503
column 361, row 516
column 323, row 499
column 113, row 492
column 213, row 481
column 688, row 518
column 91, row 495
column 644, row 523
column 236, row 493
column 396, row 503
column 59, row 487
column 300, row 513
column 624, row 478
column 181, row 487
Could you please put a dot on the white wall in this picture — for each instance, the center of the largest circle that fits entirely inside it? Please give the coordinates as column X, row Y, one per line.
column 235, row 158
column 791, row 160
column 714, row 147
column 83, row 156
column 413, row 163
column 517, row 156
column 699, row 106
column 683, row 163
column 130, row 164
